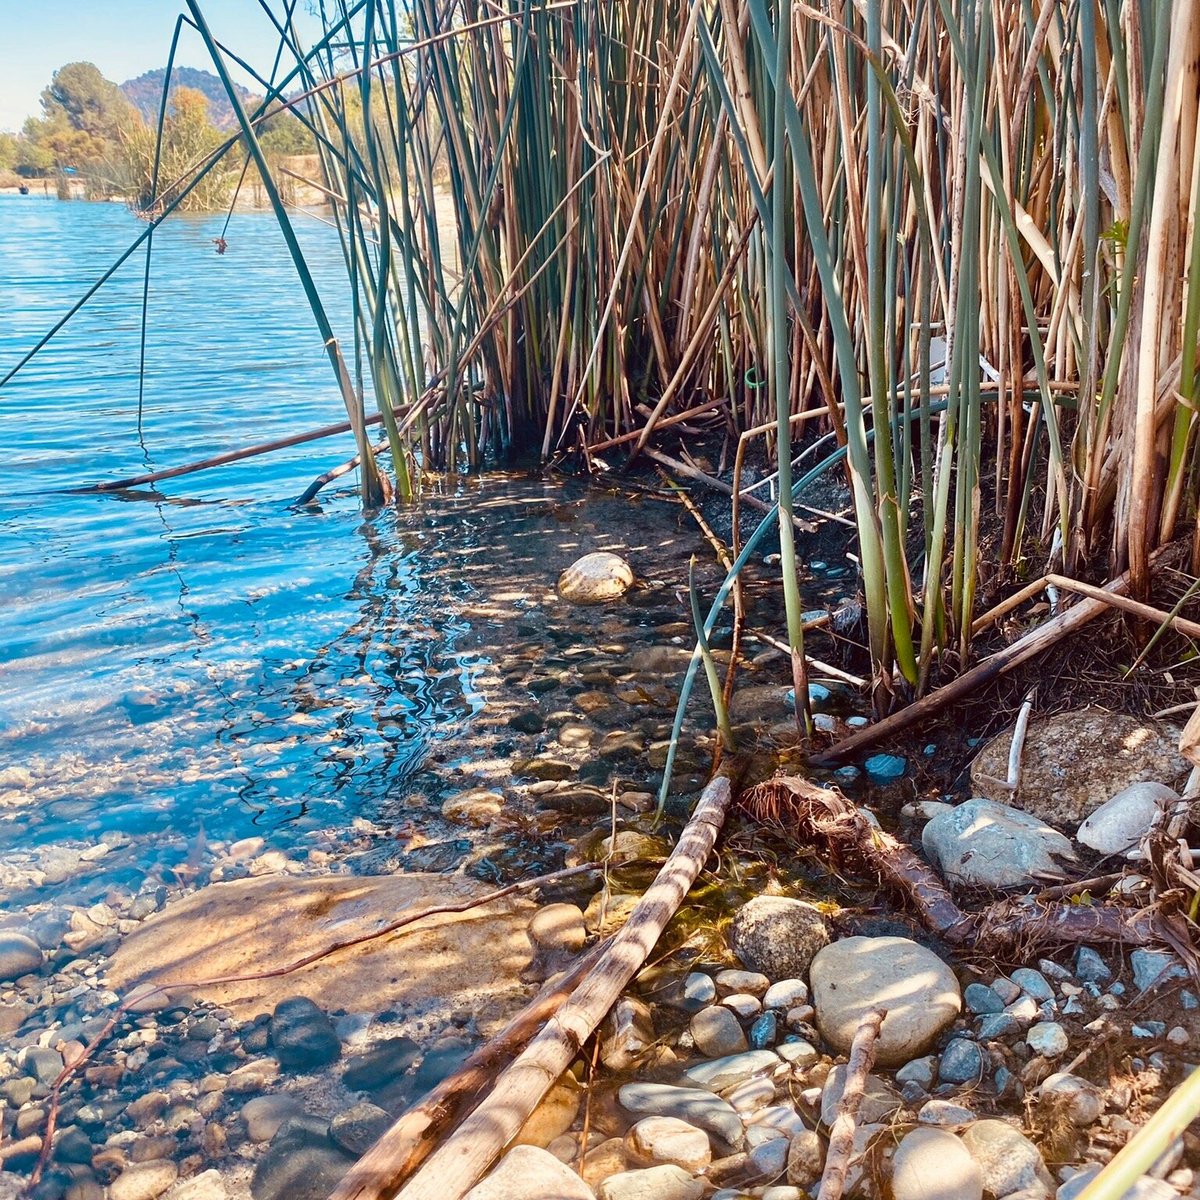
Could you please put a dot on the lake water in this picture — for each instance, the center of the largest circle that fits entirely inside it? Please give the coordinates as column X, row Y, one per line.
column 206, row 657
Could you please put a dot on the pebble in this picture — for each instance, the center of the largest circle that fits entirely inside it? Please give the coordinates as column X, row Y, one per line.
column 659, row 1140
column 1079, row 1101
column 1048, row 1038
column 530, row 1173
column 778, row 936
column 1005, row 989
column 981, row 999
column 764, row 1031
column 1032, row 983
column 698, row 990
column 144, row 1181
column 743, row 1005
column 962, row 1062
column 727, row 1072
column 931, row 1164
column 652, row 1183
column 264, row 1114
column 1149, row 965
column 729, row 983
column 879, row 1102
column 885, row 766
column 806, row 1159
column 786, row 994
column 779, row 1117
column 690, row 1104
column 302, row 1035
column 1120, row 823
column 19, row 955
column 476, row 806
column 920, row 1071
column 856, row 974
column 1007, row 1159
column 1090, row 967
column 717, row 1032
column 944, row 1112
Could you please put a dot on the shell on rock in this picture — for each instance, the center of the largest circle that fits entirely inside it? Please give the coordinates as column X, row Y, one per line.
column 596, row 578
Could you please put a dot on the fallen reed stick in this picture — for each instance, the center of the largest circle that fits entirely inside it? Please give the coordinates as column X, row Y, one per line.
column 472, row 1148
column 841, row 1133
column 1127, row 604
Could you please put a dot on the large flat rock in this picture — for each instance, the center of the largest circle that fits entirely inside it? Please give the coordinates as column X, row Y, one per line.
column 253, row 926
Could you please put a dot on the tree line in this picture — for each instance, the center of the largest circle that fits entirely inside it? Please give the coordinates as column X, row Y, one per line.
column 90, row 131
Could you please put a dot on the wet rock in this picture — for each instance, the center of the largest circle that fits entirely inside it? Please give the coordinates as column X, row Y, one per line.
column 300, row 1164
column 1008, row 1160
column 1120, row 824
column 879, row 1102
column 302, row 1035
column 608, row 911
column 477, row 806
column 806, row 1159
column 885, row 767
column 19, row 955
column 252, row 1077
column 962, row 1062
column 596, row 579
column 985, row 844
column 857, row 974
column 717, row 1032
column 73, row 1146
column 1073, row 762
column 13, row 1016
column 690, row 1104
column 357, row 1129
column 931, row 1164
column 627, row 1032
column 557, row 934
column 656, row 1141
column 778, row 936
column 208, row 1185
column 144, row 1181
column 1076, row 1099
column 381, row 1065
column 728, row 1072
column 529, row 1173
column 652, row 1183
column 44, row 1064
column 263, row 1115
column 627, row 845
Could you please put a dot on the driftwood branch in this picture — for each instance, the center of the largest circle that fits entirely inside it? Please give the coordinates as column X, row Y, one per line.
column 821, row 817
column 411, row 1139
column 841, row 1133
column 1032, row 644
column 456, row 1165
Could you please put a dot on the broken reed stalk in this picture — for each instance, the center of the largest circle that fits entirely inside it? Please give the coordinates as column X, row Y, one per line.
column 409, row 1141
column 472, row 1148
column 841, row 1133
column 1032, row 644
column 1126, row 604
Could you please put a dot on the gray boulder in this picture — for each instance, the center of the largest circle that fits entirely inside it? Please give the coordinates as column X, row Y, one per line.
column 985, row 844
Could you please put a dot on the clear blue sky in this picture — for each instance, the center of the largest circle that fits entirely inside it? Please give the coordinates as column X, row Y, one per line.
column 122, row 37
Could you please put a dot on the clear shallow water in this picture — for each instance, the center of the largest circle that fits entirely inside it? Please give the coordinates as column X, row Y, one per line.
column 204, row 656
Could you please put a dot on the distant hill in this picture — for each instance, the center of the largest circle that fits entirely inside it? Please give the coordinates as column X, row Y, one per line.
column 145, row 93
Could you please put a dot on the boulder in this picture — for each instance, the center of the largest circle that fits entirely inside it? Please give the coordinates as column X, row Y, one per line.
column 985, row 844
column 302, row 1035
column 852, row 976
column 528, row 1173
column 931, row 1164
column 595, row 579
column 778, row 936
column 1120, row 824
column 1072, row 762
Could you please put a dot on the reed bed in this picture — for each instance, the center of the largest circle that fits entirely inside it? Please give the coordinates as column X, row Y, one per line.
column 960, row 231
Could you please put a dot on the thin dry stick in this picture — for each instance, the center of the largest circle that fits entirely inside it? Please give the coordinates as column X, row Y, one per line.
column 1018, row 743
column 475, row 1145
column 841, row 1135
column 1179, row 624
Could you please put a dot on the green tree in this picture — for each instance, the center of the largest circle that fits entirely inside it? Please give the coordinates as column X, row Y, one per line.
column 89, row 103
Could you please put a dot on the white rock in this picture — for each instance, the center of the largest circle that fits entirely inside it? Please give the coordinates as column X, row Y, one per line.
column 659, row 1140
column 1077, row 1099
column 596, row 578
column 787, row 993
column 654, row 1183
column 730, row 982
column 528, row 1173
column 857, row 974
column 931, row 1164
column 724, row 1073
column 743, row 1004
column 985, row 844
column 1120, row 823
column 1008, row 1160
